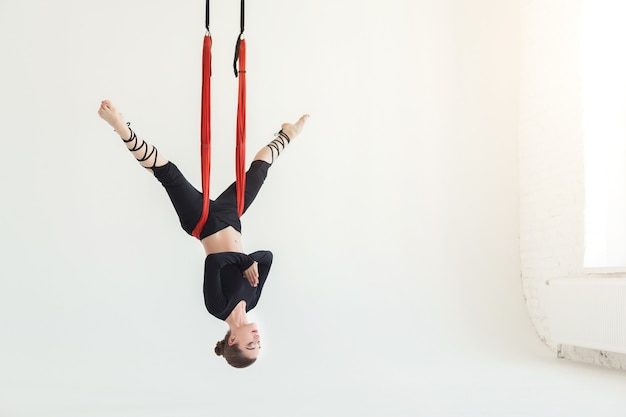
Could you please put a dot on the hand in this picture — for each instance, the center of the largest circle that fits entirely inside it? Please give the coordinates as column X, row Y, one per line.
column 252, row 274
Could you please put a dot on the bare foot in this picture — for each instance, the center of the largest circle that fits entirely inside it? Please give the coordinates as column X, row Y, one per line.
column 293, row 129
column 109, row 114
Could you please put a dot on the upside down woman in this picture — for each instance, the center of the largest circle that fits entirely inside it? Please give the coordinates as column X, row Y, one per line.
column 233, row 280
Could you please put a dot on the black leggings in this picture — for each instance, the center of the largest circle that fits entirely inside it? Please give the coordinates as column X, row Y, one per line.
column 187, row 200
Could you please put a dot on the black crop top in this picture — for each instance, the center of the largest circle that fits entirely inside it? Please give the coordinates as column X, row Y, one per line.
column 224, row 284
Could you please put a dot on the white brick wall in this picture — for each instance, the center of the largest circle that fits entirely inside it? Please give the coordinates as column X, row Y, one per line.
column 551, row 159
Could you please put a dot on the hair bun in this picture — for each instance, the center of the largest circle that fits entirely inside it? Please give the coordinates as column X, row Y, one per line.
column 219, row 348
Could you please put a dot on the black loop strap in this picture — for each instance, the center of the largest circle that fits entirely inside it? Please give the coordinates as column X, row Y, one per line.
column 242, row 27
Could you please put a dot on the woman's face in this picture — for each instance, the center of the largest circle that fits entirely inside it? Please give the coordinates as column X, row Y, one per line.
column 248, row 339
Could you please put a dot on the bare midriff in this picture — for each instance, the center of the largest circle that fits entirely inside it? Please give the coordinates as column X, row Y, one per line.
column 226, row 240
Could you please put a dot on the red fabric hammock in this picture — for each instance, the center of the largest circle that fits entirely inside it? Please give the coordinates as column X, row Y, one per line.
column 241, row 130
column 205, row 123
column 205, row 134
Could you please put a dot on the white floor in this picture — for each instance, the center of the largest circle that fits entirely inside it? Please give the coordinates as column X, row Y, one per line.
column 166, row 368
column 527, row 385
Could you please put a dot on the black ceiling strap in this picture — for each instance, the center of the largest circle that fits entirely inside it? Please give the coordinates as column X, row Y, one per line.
column 242, row 27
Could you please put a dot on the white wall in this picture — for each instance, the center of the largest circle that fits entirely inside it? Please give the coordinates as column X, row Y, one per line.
column 550, row 155
column 552, row 194
column 393, row 220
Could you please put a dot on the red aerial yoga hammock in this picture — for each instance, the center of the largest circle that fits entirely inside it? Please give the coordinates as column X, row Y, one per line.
column 205, row 123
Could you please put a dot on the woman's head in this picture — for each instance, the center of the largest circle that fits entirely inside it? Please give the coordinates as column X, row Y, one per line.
column 240, row 347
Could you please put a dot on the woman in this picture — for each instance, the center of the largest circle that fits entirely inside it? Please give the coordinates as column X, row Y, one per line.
column 233, row 280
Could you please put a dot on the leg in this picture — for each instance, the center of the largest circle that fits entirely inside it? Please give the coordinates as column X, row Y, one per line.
column 226, row 203
column 288, row 132
column 186, row 199
column 146, row 154
column 256, row 174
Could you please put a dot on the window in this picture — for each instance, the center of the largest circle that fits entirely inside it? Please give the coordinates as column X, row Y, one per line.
column 603, row 76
